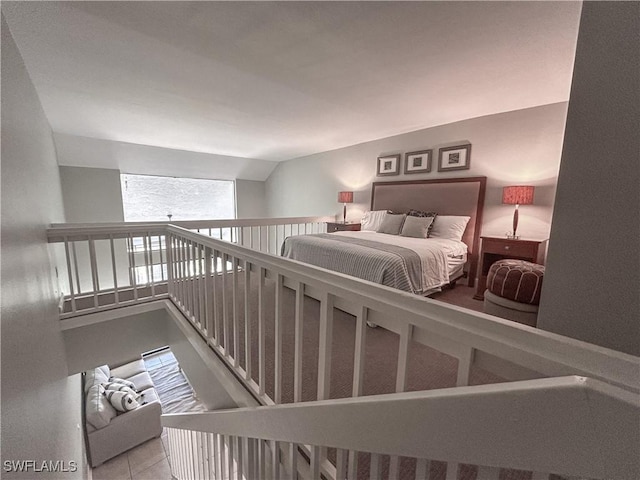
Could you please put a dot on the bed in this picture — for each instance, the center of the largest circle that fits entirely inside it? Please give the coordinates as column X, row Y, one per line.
column 417, row 265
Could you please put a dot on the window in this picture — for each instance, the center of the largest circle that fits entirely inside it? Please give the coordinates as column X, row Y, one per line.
column 148, row 198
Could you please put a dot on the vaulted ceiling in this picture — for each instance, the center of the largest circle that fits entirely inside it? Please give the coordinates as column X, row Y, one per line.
column 280, row 80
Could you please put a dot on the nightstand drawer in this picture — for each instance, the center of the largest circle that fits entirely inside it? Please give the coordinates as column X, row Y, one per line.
column 506, row 248
column 342, row 227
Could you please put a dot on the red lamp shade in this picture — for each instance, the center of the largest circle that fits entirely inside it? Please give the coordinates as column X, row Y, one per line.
column 518, row 195
column 345, row 197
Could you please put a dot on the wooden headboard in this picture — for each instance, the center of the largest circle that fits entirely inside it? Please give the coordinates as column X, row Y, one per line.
column 447, row 196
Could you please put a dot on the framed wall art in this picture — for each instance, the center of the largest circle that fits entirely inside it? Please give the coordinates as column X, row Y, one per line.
column 417, row 162
column 454, row 158
column 388, row 165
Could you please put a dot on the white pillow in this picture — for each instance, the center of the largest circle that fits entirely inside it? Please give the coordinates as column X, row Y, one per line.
column 449, row 226
column 122, row 401
column 372, row 220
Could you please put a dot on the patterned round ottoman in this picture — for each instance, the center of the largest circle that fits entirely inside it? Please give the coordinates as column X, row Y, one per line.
column 513, row 290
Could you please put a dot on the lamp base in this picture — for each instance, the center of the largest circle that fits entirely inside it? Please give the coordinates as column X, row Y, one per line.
column 513, row 237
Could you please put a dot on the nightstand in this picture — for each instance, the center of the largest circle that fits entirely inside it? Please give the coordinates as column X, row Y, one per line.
column 342, row 227
column 497, row 248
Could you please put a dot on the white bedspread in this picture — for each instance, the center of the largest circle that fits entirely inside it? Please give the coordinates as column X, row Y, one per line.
column 434, row 253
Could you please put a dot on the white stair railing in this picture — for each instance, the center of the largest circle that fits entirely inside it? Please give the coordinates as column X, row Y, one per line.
column 569, row 426
column 110, row 265
column 237, row 300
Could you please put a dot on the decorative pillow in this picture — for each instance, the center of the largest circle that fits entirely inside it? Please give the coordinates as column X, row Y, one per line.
column 122, row 381
column 420, row 213
column 99, row 411
column 122, row 401
column 371, row 220
column 449, row 226
column 417, row 227
column 119, row 387
column 392, row 224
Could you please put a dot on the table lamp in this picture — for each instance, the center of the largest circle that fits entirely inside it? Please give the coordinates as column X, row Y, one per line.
column 517, row 195
column 344, row 198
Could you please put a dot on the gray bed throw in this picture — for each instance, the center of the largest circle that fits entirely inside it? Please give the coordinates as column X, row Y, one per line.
column 390, row 265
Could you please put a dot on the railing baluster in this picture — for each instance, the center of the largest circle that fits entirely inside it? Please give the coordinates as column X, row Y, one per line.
column 374, row 472
column 275, row 459
column 181, row 262
column 236, row 314
column 535, row 476
column 69, row 274
column 491, row 473
column 422, row 469
column 132, row 268
column 162, row 246
column 94, row 271
column 116, row 295
column 223, row 456
column 293, row 460
column 237, row 446
column 260, row 238
column 216, row 301
column 403, row 357
column 261, row 332
column 202, row 299
column 341, row 464
column 225, row 322
column 326, row 342
column 315, row 462
column 208, row 294
column 452, row 471
column 262, row 461
column 75, row 266
column 168, row 244
column 247, row 321
column 352, row 473
column 278, row 339
column 188, row 279
column 151, row 277
column 298, row 340
column 217, row 456
column 464, row 367
column 359, row 353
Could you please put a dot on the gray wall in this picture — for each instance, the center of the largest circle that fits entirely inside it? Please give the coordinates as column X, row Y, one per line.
column 41, row 404
column 250, row 199
column 510, row 148
column 115, row 342
column 91, row 194
column 592, row 284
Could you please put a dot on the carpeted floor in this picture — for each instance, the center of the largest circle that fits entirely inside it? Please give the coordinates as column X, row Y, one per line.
column 427, row 368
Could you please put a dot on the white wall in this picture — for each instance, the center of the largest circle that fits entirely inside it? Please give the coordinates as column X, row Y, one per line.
column 592, row 284
column 116, row 341
column 91, row 195
column 517, row 147
column 41, row 404
column 146, row 160
column 250, row 199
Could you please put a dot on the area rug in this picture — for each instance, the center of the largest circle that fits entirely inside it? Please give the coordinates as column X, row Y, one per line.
column 176, row 395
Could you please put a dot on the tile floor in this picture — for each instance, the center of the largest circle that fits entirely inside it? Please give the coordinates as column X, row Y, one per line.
column 149, row 461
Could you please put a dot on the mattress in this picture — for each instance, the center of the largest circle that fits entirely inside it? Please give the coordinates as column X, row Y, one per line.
column 415, row 265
